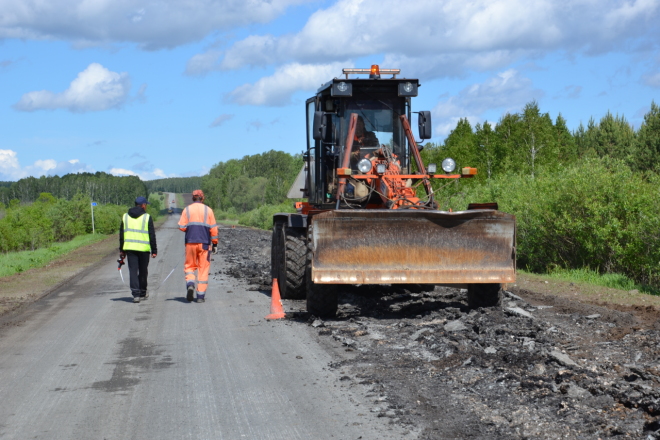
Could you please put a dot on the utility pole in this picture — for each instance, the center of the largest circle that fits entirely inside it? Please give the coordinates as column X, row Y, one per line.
column 93, row 205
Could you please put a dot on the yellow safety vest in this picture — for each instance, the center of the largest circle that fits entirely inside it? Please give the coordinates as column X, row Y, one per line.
column 136, row 233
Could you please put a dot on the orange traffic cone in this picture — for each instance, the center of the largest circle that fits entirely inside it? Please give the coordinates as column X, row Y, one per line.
column 276, row 310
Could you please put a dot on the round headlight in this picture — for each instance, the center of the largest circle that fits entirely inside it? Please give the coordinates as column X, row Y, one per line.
column 364, row 166
column 342, row 86
column 448, row 165
column 408, row 87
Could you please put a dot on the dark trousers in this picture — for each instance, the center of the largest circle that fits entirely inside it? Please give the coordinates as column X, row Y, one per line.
column 138, row 267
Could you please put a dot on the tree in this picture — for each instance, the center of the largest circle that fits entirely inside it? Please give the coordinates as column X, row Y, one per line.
column 566, row 145
column 536, row 142
column 648, row 141
column 507, row 131
column 615, row 138
column 461, row 144
column 486, row 139
column 244, row 184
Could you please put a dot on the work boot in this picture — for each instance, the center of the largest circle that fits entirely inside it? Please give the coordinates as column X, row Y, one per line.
column 190, row 291
column 136, row 299
column 200, row 298
column 145, row 296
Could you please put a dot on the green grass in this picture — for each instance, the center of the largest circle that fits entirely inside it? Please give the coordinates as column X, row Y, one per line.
column 15, row 262
column 589, row 276
column 179, row 201
column 160, row 197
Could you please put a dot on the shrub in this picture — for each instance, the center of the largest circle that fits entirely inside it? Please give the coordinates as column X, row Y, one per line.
column 596, row 214
column 262, row 217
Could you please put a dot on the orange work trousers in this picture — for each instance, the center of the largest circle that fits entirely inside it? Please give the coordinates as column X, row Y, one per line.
column 198, row 259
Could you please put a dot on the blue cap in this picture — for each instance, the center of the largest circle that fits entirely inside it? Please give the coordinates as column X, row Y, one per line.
column 141, row 201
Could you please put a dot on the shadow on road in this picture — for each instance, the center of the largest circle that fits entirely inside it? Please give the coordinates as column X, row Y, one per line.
column 124, row 298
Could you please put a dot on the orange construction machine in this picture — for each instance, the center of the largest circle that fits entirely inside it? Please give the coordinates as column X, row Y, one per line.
column 368, row 218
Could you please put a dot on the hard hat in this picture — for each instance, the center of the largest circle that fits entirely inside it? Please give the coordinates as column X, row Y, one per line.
column 198, row 192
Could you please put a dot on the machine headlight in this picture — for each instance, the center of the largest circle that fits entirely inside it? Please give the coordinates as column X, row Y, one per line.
column 448, row 165
column 432, row 168
column 342, row 86
column 364, row 166
column 381, row 168
column 408, row 87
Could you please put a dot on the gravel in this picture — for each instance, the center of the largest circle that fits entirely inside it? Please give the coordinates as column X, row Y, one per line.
column 539, row 367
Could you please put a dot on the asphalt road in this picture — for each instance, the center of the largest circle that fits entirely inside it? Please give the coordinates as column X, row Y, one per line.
column 85, row 362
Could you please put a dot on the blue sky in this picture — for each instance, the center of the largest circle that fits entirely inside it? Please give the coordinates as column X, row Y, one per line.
column 169, row 88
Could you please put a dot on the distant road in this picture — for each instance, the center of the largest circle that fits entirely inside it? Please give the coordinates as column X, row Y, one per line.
column 87, row 363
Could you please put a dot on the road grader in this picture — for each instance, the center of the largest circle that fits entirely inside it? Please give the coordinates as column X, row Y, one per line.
column 370, row 215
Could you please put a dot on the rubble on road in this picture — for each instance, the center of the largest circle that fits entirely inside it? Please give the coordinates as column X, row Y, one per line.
column 539, row 367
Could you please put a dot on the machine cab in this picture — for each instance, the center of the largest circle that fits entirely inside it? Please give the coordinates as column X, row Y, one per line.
column 378, row 104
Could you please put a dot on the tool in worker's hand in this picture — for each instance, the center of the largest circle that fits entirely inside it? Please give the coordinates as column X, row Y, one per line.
column 120, row 263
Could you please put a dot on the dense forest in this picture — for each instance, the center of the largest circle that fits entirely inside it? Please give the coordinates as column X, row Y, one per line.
column 522, row 143
column 100, row 187
column 174, row 184
column 247, row 183
column 48, row 220
column 37, row 212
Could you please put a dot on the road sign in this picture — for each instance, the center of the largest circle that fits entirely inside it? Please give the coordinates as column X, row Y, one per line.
column 93, row 203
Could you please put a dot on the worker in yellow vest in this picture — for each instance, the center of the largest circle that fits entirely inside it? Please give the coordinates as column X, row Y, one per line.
column 137, row 240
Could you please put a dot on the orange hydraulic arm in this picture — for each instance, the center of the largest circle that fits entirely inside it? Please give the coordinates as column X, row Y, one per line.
column 418, row 158
column 347, row 155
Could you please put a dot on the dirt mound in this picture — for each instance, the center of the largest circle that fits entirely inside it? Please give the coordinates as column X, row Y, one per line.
column 540, row 366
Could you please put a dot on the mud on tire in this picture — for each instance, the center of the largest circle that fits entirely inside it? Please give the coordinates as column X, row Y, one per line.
column 290, row 261
column 276, row 249
column 484, row 295
column 322, row 299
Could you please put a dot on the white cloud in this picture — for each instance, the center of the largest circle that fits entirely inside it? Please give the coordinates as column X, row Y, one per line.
column 95, row 88
column 217, row 122
column 11, row 169
column 153, row 24
column 155, row 173
column 122, row 172
column 46, row 165
column 277, row 89
column 507, row 91
column 203, row 63
column 652, row 80
column 446, row 37
column 9, row 166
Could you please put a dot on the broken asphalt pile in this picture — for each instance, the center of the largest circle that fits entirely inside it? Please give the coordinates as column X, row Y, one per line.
column 537, row 367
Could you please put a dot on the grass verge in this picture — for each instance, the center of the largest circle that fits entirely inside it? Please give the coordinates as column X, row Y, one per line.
column 180, row 201
column 26, row 287
column 17, row 262
column 592, row 277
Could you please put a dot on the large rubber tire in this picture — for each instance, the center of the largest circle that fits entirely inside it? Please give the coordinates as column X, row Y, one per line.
column 484, row 295
column 293, row 261
column 276, row 249
column 322, row 299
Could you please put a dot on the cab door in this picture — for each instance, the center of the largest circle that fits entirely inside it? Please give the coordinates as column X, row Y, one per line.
column 312, row 154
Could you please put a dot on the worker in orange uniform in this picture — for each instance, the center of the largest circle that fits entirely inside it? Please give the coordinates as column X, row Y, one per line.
column 198, row 222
